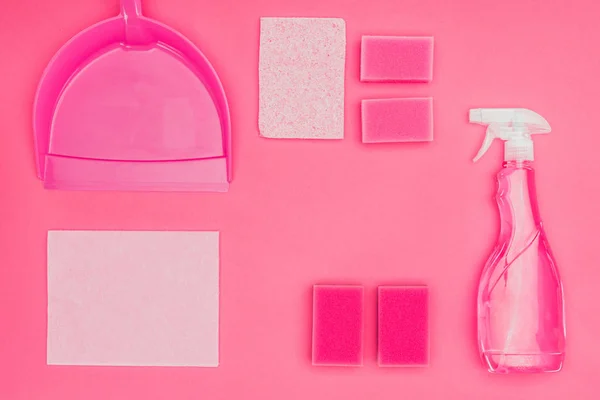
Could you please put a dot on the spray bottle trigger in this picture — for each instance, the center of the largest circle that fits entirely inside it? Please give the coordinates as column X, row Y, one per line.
column 490, row 135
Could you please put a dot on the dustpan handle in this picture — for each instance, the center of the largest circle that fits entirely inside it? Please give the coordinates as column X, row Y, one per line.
column 131, row 8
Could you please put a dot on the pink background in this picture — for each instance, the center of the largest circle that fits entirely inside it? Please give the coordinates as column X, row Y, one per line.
column 335, row 211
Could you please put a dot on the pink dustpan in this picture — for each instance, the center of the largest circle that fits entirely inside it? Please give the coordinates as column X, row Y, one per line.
column 131, row 104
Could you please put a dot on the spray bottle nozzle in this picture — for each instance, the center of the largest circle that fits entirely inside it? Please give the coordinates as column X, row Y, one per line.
column 475, row 116
column 513, row 125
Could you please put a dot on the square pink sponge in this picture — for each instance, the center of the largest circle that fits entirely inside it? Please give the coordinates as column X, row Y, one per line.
column 403, row 326
column 337, row 325
column 396, row 59
column 397, row 120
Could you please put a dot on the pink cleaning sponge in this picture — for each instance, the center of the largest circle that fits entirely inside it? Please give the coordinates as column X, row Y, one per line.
column 396, row 59
column 403, row 326
column 397, row 120
column 337, row 325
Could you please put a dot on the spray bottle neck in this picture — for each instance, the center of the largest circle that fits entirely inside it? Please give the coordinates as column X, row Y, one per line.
column 516, row 164
column 518, row 148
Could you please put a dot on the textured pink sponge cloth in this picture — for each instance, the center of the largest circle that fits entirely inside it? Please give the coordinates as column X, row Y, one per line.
column 397, row 120
column 396, row 59
column 403, row 331
column 337, row 325
column 301, row 78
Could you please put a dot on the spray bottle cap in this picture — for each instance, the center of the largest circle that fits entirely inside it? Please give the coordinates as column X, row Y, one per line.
column 513, row 125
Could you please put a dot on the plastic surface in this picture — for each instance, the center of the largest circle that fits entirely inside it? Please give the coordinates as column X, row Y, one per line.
column 513, row 125
column 300, row 211
column 130, row 104
column 521, row 325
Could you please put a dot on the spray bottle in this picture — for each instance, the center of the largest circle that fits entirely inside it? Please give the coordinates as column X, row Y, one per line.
column 520, row 313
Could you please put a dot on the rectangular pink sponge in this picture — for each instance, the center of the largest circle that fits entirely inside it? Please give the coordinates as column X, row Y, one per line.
column 397, row 120
column 337, row 325
column 396, row 59
column 403, row 326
